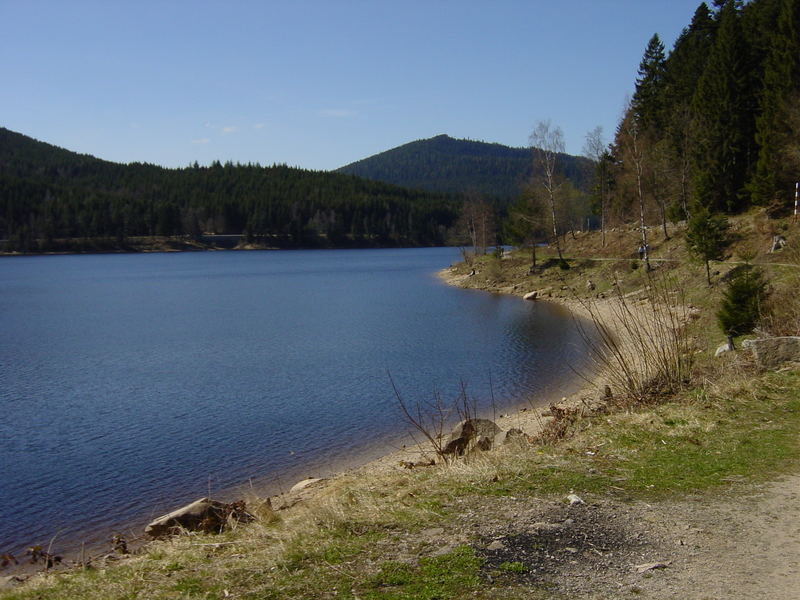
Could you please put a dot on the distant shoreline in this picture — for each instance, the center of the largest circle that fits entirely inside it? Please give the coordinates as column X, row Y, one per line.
column 205, row 243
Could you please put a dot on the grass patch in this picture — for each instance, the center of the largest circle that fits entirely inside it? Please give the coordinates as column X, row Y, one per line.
column 451, row 575
column 691, row 445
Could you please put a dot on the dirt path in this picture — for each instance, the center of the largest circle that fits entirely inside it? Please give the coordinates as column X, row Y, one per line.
column 742, row 544
column 738, row 547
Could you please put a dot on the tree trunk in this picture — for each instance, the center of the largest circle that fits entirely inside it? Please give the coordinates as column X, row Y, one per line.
column 602, row 223
column 555, row 227
column 638, row 161
column 663, row 209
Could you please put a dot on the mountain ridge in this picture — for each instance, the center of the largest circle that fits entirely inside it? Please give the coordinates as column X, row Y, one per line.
column 52, row 195
column 462, row 166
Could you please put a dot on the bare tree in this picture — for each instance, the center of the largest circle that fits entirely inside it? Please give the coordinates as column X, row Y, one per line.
column 681, row 134
column 634, row 147
column 477, row 223
column 595, row 149
column 547, row 143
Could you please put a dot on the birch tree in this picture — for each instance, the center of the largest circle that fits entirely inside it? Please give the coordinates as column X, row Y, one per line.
column 547, row 143
column 633, row 148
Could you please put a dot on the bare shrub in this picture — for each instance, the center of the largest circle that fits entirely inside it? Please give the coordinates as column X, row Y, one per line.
column 560, row 426
column 432, row 419
column 639, row 342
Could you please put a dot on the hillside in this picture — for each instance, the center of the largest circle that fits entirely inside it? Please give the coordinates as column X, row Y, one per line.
column 54, row 199
column 445, row 164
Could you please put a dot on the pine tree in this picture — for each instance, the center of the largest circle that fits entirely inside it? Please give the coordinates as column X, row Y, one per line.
column 781, row 70
column 683, row 69
column 722, row 118
column 743, row 302
column 707, row 236
column 648, row 99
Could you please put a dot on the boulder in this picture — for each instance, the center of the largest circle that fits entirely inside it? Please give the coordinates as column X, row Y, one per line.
column 511, row 436
column 202, row 514
column 470, row 435
column 771, row 352
column 531, row 295
column 726, row 347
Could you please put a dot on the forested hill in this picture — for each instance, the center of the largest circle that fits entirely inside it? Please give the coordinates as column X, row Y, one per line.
column 48, row 195
column 445, row 164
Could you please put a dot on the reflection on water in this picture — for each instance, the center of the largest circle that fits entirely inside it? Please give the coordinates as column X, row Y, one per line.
column 131, row 383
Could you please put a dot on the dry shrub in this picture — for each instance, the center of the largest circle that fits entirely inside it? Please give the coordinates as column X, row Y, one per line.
column 560, row 426
column 638, row 342
column 433, row 419
column 783, row 314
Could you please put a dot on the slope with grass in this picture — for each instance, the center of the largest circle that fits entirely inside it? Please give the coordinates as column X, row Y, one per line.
column 691, row 494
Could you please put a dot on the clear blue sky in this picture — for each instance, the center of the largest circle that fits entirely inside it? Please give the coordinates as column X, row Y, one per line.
column 316, row 84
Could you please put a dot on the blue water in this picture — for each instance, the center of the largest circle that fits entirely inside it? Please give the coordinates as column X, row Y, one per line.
column 132, row 383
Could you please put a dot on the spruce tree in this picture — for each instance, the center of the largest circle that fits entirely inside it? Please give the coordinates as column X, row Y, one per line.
column 781, row 70
column 648, row 99
column 687, row 59
column 721, row 118
column 683, row 68
column 743, row 302
column 707, row 236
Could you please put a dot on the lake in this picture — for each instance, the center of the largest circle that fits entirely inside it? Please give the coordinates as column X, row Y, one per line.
column 133, row 383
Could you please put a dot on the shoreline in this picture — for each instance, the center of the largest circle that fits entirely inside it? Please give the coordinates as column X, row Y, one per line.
column 528, row 414
column 170, row 246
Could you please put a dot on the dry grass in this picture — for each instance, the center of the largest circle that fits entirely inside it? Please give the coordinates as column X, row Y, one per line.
column 783, row 314
column 641, row 344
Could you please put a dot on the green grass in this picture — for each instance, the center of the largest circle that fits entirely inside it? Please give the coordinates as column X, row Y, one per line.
column 451, row 575
column 690, row 445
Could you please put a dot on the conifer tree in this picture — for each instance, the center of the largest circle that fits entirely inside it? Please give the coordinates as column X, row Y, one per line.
column 648, row 99
column 780, row 77
column 707, row 236
column 683, row 69
column 687, row 60
column 743, row 302
column 721, row 118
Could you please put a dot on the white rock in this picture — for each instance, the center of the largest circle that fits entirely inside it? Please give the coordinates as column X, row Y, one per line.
column 306, row 483
column 726, row 347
